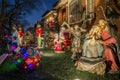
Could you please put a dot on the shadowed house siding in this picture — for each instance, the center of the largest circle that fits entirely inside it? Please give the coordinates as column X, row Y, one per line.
column 63, row 13
column 100, row 14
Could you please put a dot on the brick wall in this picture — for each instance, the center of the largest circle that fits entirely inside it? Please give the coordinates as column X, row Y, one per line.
column 117, row 21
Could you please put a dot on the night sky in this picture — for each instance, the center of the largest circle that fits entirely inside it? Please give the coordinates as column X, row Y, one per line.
column 37, row 15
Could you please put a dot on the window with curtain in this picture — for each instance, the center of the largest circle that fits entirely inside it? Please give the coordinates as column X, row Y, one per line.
column 75, row 11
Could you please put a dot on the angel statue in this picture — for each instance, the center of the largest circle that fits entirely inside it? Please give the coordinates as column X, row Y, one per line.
column 76, row 43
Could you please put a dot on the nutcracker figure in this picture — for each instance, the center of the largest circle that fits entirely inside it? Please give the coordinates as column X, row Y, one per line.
column 20, row 36
column 39, row 35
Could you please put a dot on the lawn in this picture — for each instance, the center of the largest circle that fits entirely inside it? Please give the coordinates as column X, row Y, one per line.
column 52, row 67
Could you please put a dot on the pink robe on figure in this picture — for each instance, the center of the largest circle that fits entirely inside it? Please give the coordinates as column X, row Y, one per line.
column 107, row 40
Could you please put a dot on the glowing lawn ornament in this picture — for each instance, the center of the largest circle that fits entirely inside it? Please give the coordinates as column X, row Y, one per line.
column 27, row 60
column 19, row 60
column 58, row 48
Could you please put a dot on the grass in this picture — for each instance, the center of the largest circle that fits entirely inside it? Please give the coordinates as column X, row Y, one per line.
column 52, row 67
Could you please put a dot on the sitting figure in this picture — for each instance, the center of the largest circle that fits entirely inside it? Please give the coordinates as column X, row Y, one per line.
column 110, row 48
column 92, row 48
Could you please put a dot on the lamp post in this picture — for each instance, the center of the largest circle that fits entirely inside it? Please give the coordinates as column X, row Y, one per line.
column 55, row 15
column 45, row 32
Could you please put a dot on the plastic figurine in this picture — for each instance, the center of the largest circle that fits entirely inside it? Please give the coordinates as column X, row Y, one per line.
column 20, row 36
column 14, row 39
column 58, row 43
column 76, row 44
column 109, row 43
column 92, row 48
column 39, row 35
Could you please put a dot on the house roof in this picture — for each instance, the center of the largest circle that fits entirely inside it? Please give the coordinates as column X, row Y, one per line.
column 46, row 13
column 59, row 4
column 56, row 3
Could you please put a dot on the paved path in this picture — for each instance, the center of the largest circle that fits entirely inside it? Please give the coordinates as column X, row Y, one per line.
column 3, row 57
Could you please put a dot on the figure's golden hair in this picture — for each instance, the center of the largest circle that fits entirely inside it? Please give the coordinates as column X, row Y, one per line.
column 104, row 27
column 94, row 32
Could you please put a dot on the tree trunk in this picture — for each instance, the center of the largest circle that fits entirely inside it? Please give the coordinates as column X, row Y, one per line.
column 2, row 15
column 3, row 10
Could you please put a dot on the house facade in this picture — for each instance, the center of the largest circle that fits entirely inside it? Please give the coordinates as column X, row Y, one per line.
column 62, row 11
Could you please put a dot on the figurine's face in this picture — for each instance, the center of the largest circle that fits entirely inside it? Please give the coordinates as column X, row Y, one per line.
column 62, row 28
column 76, row 27
column 14, row 25
column 56, row 35
column 102, row 22
column 38, row 26
column 20, row 28
column 71, row 28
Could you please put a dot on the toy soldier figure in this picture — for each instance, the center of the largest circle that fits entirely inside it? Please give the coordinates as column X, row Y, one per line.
column 39, row 35
column 20, row 36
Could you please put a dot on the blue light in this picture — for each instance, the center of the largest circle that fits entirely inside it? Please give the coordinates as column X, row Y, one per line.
column 14, row 35
column 25, row 54
column 30, row 66
column 15, row 43
column 22, row 49
column 20, row 59
column 9, row 39
column 16, row 62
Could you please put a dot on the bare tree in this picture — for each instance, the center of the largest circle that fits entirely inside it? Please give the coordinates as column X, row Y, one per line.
column 16, row 10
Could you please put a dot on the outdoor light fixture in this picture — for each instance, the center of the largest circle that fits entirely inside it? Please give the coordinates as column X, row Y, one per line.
column 70, row 16
column 47, row 20
column 51, row 18
column 77, row 79
column 55, row 13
